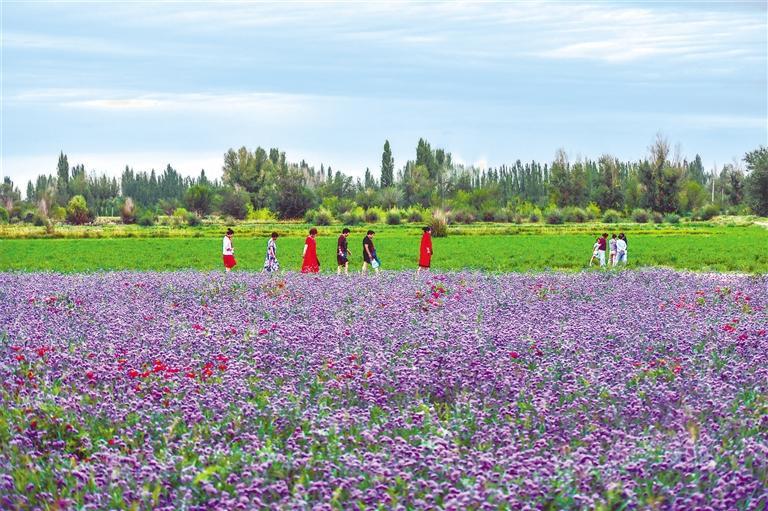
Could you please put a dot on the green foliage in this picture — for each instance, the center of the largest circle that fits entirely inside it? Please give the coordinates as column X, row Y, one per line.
column 439, row 224
column 77, row 211
column 199, row 198
column 374, row 215
column 593, row 211
column 235, row 203
column 534, row 218
column 393, row 217
column 611, row 216
column 387, row 166
column 465, row 215
column 261, row 215
column 3, row 215
column 708, row 212
column 574, row 214
column 354, row 217
column 146, row 218
column 757, row 182
column 323, row 217
column 193, row 220
column 180, row 213
column 672, row 218
column 415, row 215
column 640, row 215
column 554, row 216
column 657, row 217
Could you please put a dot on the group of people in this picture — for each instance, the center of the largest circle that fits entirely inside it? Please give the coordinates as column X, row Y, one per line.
column 617, row 253
column 311, row 262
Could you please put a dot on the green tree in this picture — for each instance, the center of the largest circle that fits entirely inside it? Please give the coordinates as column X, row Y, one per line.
column 757, row 182
column 9, row 194
column 199, row 199
column 62, row 180
column 387, row 167
column 235, row 203
column 77, row 211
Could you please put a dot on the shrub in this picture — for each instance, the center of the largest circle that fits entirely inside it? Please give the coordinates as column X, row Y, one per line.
column 57, row 213
column 709, row 211
column 611, row 216
column 593, row 211
column 672, row 218
column 128, row 211
column 309, row 216
column 77, row 211
column 415, row 216
column 262, row 215
column 146, row 218
column 554, row 216
column 393, row 217
column 463, row 216
column 352, row 218
column 439, row 224
column 3, row 215
column 323, row 217
column 534, row 218
column 574, row 214
column 640, row 215
column 235, row 203
column 516, row 219
column 502, row 215
column 373, row 215
column 657, row 217
column 193, row 220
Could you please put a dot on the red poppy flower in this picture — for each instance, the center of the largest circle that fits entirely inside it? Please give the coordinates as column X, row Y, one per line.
column 514, row 354
column 133, row 373
column 90, row 375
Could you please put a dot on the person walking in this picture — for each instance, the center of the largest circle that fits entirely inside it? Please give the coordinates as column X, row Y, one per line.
column 621, row 250
column 425, row 251
column 369, row 253
column 612, row 253
column 270, row 261
column 228, row 251
column 310, row 263
column 601, row 244
column 595, row 248
column 342, row 253
column 626, row 249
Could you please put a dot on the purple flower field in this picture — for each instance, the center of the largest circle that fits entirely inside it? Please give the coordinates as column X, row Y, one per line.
column 188, row 390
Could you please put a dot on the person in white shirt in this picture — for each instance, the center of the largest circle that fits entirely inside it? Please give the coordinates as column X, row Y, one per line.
column 228, row 251
column 621, row 251
column 595, row 252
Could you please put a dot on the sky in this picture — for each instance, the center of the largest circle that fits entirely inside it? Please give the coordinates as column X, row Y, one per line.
column 147, row 84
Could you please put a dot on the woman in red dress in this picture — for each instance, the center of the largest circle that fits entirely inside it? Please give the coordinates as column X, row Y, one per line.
column 425, row 253
column 310, row 264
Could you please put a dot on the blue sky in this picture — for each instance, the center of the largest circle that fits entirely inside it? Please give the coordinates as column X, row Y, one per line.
column 149, row 83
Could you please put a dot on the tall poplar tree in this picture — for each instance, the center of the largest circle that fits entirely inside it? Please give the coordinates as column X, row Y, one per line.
column 387, row 166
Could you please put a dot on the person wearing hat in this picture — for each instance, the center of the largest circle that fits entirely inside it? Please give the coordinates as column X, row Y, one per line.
column 270, row 261
column 425, row 252
column 229, row 251
column 369, row 253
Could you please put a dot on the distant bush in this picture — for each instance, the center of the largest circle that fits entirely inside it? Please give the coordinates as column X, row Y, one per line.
column 3, row 215
column 554, row 216
column 593, row 211
column 57, row 213
column 611, row 216
column 77, row 211
column 516, row 219
column 672, row 218
column 261, row 215
column 640, row 215
column 502, row 215
column 708, row 212
column 657, row 217
column 193, row 220
column 374, row 215
column 439, row 224
column 534, row 218
column 309, row 216
column 463, row 216
column 39, row 220
column 352, row 218
column 414, row 215
column 393, row 217
column 489, row 215
column 146, row 218
column 574, row 214
column 323, row 217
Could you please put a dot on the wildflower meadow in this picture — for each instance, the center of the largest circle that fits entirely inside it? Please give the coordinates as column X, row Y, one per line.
column 189, row 390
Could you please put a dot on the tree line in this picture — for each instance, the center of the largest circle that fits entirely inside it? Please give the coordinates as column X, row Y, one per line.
column 263, row 184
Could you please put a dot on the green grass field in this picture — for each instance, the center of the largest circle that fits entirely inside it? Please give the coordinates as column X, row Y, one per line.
column 701, row 248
